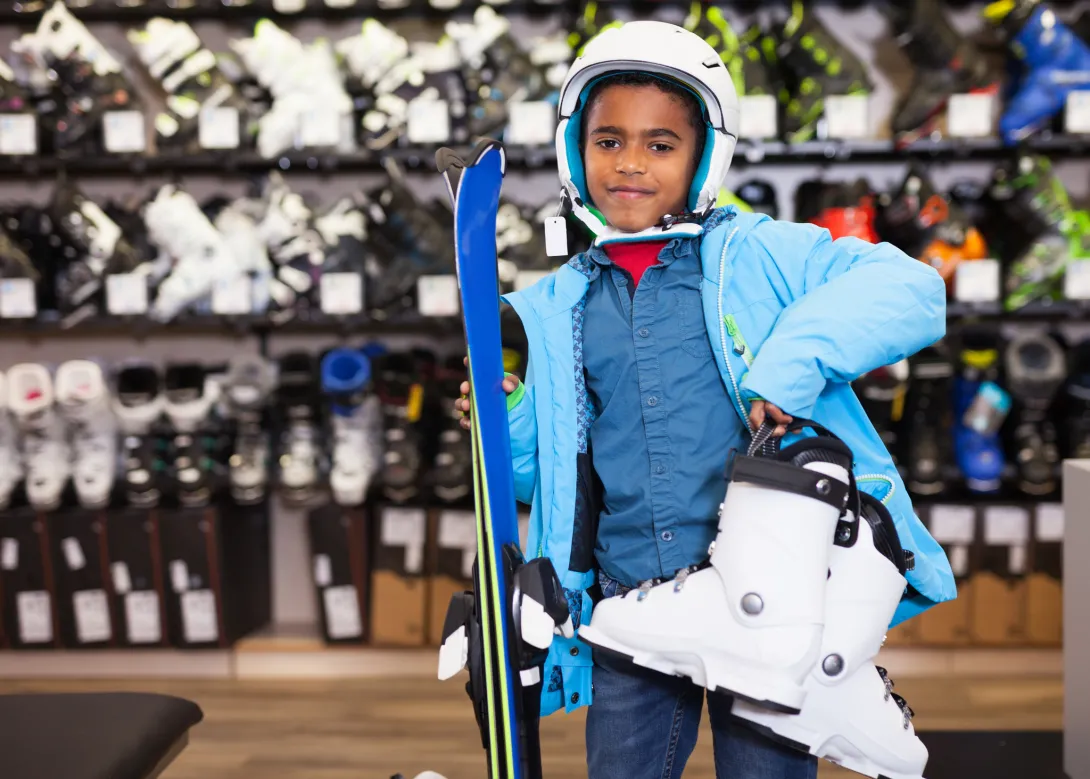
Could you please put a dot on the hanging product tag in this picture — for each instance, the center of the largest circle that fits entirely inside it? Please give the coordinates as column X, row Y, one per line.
column 556, row 236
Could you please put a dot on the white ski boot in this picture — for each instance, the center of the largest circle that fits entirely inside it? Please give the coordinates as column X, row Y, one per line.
column 851, row 716
column 749, row 621
column 245, row 391
column 11, row 464
column 85, row 402
column 356, row 419
column 45, row 453
column 138, row 405
column 189, row 398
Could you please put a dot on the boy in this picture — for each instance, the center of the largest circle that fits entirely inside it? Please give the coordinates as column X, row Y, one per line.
column 633, row 397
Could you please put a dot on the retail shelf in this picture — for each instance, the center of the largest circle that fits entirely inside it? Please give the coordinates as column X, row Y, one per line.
column 1043, row 309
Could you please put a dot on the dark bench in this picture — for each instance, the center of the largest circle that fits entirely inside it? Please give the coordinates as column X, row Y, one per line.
column 92, row 735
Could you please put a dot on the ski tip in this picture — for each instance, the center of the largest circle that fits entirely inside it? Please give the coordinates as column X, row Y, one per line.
column 445, row 158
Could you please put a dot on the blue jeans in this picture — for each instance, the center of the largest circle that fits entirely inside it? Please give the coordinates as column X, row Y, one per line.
column 644, row 725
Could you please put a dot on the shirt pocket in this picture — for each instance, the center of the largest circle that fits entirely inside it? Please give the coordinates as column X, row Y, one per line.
column 694, row 336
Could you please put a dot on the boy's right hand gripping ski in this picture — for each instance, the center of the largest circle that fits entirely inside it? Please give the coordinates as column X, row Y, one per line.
column 503, row 628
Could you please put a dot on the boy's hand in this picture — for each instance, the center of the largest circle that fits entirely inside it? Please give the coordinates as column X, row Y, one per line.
column 510, row 384
column 760, row 409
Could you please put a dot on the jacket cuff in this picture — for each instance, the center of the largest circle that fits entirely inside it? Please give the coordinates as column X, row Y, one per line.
column 515, row 397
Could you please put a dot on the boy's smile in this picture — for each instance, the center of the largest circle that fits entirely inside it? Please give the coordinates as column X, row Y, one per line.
column 640, row 154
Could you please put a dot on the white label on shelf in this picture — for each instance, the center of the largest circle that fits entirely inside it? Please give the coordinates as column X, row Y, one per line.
column 233, row 295
column 323, row 570
column 342, row 293
column 124, row 132
column 970, row 115
column 342, row 612
column 438, row 295
column 847, row 116
column 320, row 129
column 757, row 117
column 1077, row 280
column 73, row 554
column 35, row 616
column 120, row 573
column 18, row 135
column 179, row 575
column 959, row 560
column 17, row 299
column 142, row 617
column 1050, row 522
column 199, row 623
column 92, row 616
column 458, row 530
column 530, row 123
column 1006, row 525
column 127, row 294
column 289, row 6
column 1077, row 112
column 9, row 554
column 220, row 128
column 528, row 278
column 1016, row 559
column 428, row 121
column 977, row 281
column 952, row 524
column 405, row 527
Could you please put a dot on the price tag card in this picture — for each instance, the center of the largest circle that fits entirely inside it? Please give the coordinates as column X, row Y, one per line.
column 323, row 570
column 342, row 612
column 847, row 116
column 1077, row 280
column 528, row 278
column 17, row 299
column 35, row 615
column 122, row 580
column 18, row 135
column 341, row 293
column 9, row 554
column 977, row 281
column 124, row 132
column 532, row 123
column 179, row 575
column 220, row 128
column 1077, row 112
column 233, row 296
column 142, row 617
column 438, row 295
column 1050, row 522
column 319, row 129
column 971, row 115
column 758, row 117
column 92, row 616
column 199, row 623
column 73, row 554
column 405, row 527
column 1006, row 525
column 458, row 530
column 428, row 121
column 127, row 294
column 952, row 524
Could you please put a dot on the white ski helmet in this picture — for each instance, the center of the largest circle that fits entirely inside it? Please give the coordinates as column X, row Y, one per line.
column 674, row 54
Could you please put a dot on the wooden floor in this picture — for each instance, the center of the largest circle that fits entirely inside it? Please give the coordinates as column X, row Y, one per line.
column 374, row 728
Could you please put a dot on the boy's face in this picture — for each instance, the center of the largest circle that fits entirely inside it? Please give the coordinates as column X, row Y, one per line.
column 639, row 154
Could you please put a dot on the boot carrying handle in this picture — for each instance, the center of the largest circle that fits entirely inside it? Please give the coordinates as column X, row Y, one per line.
column 768, row 446
column 785, row 477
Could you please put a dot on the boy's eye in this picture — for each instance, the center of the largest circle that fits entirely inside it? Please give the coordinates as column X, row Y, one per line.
column 608, row 143
column 661, row 147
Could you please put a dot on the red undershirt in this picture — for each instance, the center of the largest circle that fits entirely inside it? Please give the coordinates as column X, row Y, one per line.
column 635, row 257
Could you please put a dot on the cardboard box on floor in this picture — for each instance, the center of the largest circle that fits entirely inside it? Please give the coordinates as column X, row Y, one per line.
column 1044, row 585
column 999, row 581
column 398, row 580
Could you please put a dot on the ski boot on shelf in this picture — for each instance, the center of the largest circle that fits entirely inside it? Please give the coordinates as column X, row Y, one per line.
column 300, row 457
column 138, row 406
column 928, row 421
column 882, row 394
column 1035, row 370
column 851, row 716
column 45, row 453
column 944, row 63
column 84, row 401
column 1054, row 60
column 980, row 407
column 748, row 621
column 188, row 401
column 760, row 196
column 1076, row 404
column 451, row 470
column 356, row 421
column 245, row 391
column 847, row 210
column 11, row 462
column 401, row 394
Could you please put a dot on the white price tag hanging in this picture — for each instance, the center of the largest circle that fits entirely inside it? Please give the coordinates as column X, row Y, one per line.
column 9, row 554
column 1050, row 522
column 35, row 614
column 179, row 575
column 342, row 612
column 320, row 129
column 220, row 128
column 971, row 115
column 438, row 295
column 18, row 135
column 342, row 293
column 531, row 123
column 127, row 294
column 142, row 617
column 1077, row 112
column 233, row 296
column 405, row 527
column 1077, row 280
column 124, row 132
column 977, row 281
column 17, row 299
column 92, row 616
column 952, row 524
column 959, row 560
column 458, row 530
column 1006, row 525
column 323, row 570
column 757, row 117
column 199, row 619
column 73, row 554
column 428, row 121
column 122, row 580
column 847, row 117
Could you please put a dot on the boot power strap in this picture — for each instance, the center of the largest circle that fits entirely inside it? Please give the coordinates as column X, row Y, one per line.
column 790, row 478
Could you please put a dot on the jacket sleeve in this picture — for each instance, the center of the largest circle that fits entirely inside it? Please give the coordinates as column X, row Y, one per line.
column 522, row 421
column 853, row 307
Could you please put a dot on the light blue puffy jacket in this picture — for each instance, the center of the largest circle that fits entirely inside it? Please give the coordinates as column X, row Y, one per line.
column 793, row 317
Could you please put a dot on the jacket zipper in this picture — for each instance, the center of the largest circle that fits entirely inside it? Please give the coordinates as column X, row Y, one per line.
column 741, row 348
column 723, row 331
column 880, row 477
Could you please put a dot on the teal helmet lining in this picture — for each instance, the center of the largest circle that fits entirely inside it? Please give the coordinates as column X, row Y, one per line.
column 573, row 141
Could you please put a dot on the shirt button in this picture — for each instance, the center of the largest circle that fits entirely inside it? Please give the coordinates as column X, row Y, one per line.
column 660, row 469
column 667, row 535
column 644, row 332
column 652, row 401
column 575, row 651
column 575, row 698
